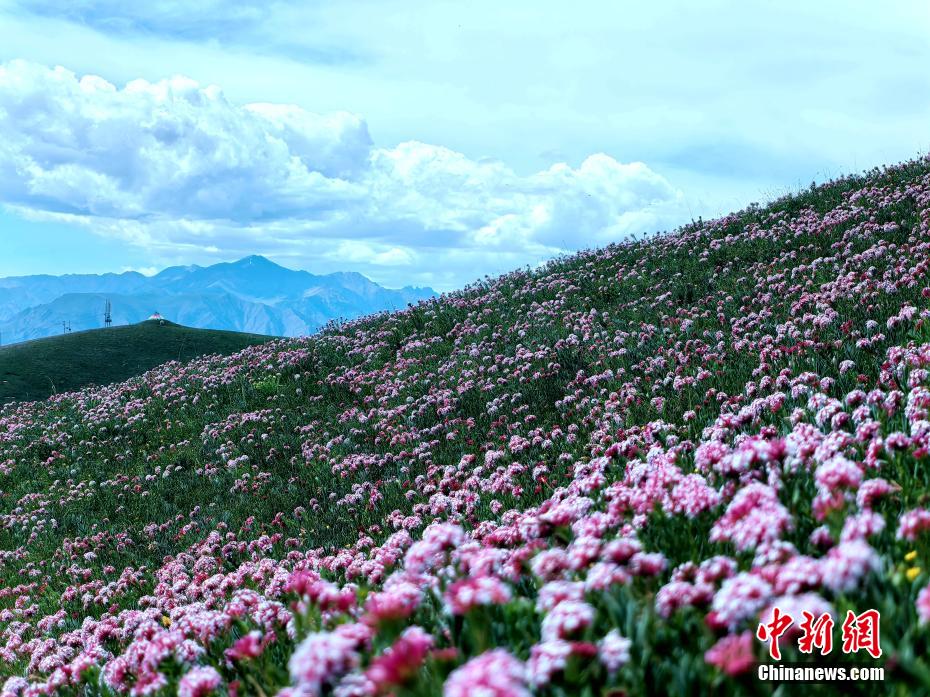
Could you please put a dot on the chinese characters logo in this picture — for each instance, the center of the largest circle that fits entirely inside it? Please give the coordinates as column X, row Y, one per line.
column 860, row 632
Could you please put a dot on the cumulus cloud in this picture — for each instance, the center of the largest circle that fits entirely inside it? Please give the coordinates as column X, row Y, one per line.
column 492, row 206
column 175, row 164
column 171, row 148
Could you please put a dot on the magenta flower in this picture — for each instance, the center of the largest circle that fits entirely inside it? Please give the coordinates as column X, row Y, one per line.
column 912, row 523
column 733, row 654
column 321, row 659
column 464, row 595
column 199, row 682
column 614, row 651
column 567, row 620
column 755, row 515
column 492, row 674
column 923, row 604
column 402, row 660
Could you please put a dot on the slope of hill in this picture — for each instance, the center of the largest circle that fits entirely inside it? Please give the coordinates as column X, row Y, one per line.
column 251, row 295
column 37, row 369
column 597, row 477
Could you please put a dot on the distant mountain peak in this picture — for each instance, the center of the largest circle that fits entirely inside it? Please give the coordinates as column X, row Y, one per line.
column 253, row 294
column 256, row 260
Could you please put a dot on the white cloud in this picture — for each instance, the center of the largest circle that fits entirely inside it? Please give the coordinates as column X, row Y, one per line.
column 492, row 206
column 170, row 148
column 175, row 165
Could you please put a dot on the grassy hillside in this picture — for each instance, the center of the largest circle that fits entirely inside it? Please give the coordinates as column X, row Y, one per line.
column 37, row 369
column 593, row 478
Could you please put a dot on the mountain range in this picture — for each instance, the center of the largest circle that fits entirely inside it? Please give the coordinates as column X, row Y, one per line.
column 252, row 295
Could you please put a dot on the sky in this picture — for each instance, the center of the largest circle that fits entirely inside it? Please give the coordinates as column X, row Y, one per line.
column 429, row 143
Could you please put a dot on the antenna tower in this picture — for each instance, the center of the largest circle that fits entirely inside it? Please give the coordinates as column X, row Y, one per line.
column 108, row 315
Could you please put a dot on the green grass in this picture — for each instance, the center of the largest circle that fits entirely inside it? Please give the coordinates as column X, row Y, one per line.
column 35, row 370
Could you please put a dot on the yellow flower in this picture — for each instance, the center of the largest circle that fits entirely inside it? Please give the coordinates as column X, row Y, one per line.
column 910, row 556
column 912, row 573
column 165, row 620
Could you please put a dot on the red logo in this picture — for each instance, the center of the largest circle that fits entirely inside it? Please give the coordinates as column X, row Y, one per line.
column 860, row 632
column 816, row 634
column 772, row 631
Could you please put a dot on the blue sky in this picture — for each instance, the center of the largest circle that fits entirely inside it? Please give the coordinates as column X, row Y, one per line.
column 428, row 142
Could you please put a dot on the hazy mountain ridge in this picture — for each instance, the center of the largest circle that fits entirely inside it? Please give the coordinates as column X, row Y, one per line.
column 251, row 295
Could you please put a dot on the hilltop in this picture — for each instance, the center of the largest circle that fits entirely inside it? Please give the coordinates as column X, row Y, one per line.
column 596, row 477
column 42, row 367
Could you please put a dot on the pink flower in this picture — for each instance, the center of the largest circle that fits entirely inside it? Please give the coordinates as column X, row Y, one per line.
column 678, row 594
column 798, row 574
column 550, row 564
column 556, row 592
column 755, row 515
column 621, row 550
column 733, row 654
column 872, row 489
column 492, row 674
column 466, row 594
column 546, row 660
column 199, row 682
column 847, row 564
column 739, row 599
column 647, row 564
column 402, row 660
column 838, row 472
column 566, row 620
column 716, row 569
column 923, row 604
column 398, row 602
column 605, row 574
column 321, row 659
column 862, row 526
column 821, row 537
column 14, row 687
column 614, row 651
column 692, row 496
column 912, row 523
column 352, row 685
column 246, row 647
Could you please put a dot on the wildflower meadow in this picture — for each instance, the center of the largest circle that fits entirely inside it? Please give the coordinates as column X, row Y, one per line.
column 613, row 475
